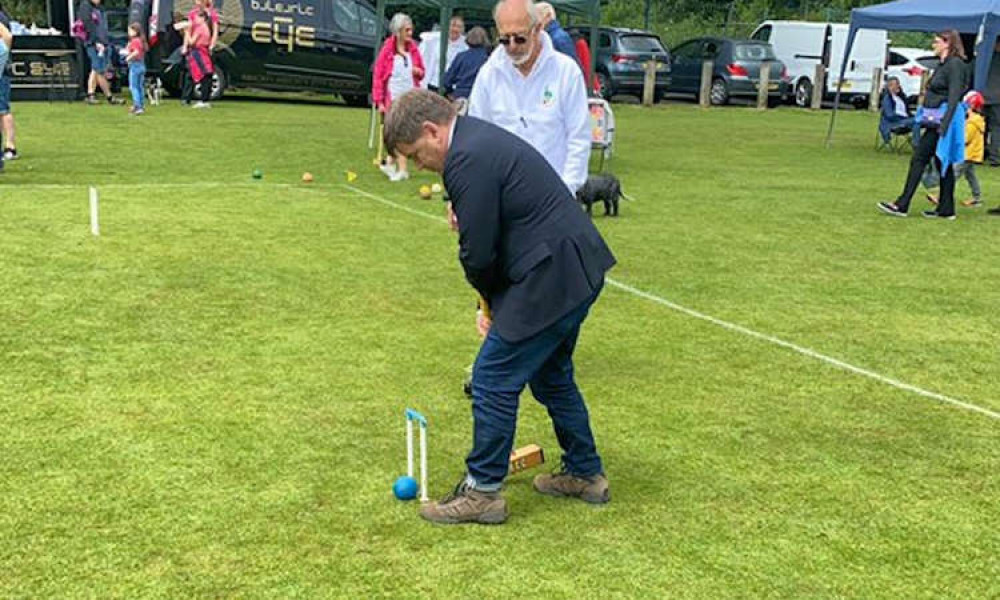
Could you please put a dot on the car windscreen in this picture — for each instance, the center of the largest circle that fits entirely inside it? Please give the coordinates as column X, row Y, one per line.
column 641, row 43
column 753, row 52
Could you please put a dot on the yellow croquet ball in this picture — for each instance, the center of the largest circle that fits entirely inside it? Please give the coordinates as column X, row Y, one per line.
column 425, row 192
column 307, row 177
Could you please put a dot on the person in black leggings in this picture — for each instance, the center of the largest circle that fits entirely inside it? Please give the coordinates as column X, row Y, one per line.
column 948, row 84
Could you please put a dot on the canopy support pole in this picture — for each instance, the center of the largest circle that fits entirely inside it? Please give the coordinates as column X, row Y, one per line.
column 445, row 27
column 595, row 22
column 851, row 34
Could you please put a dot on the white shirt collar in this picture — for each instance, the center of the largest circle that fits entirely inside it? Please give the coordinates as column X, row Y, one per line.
column 451, row 133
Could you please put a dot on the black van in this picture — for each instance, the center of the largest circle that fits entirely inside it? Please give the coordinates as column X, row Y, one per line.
column 293, row 45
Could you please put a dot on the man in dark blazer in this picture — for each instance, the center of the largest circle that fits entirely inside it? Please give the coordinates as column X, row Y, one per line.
column 539, row 262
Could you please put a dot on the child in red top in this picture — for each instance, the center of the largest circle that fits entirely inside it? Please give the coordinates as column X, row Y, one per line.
column 197, row 47
column 135, row 56
column 213, row 18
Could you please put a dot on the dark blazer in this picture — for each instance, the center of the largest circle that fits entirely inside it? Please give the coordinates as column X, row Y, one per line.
column 524, row 242
column 889, row 119
column 462, row 73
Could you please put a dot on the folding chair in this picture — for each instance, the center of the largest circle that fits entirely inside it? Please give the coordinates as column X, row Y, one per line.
column 899, row 140
column 602, row 129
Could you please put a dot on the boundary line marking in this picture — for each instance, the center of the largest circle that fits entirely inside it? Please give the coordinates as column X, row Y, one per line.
column 829, row 360
column 166, row 185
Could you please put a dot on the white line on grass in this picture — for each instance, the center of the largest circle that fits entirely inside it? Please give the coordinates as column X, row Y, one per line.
column 739, row 328
column 167, row 185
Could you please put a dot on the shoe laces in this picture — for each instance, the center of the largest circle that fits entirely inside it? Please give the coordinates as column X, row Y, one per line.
column 461, row 490
column 563, row 471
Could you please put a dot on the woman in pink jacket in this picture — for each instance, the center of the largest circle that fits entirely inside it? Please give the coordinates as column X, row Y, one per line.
column 398, row 69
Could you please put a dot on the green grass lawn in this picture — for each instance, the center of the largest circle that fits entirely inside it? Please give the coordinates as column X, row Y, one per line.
column 207, row 400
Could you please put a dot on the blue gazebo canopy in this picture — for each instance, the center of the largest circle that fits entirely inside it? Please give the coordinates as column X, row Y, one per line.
column 980, row 17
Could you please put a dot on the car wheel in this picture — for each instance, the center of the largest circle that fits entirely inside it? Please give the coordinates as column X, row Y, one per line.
column 859, row 102
column 803, row 93
column 719, row 94
column 606, row 87
column 658, row 96
column 356, row 100
column 218, row 83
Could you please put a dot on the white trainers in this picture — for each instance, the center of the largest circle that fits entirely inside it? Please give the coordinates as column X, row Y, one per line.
column 201, row 104
column 388, row 168
column 399, row 176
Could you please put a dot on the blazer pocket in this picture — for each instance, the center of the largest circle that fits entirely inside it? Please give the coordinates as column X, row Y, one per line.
column 524, row 264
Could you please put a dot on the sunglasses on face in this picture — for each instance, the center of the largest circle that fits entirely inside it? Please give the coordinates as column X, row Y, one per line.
column 517, row 38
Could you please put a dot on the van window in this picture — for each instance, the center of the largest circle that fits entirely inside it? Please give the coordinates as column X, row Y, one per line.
column 367, row 21
column 346, row 16
column 763, row 34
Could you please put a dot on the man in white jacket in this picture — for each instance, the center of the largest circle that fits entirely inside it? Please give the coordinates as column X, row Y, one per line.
column 430, row 50
column 534, row 92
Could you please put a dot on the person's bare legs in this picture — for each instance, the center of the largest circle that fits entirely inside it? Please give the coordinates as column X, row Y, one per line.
column 7, row 121
column 102, row 81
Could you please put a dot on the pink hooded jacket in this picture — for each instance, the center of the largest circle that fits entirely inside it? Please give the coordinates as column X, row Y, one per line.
column 383, row 71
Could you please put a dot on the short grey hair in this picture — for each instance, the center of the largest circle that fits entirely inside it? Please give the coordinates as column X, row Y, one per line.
column 407, row 115
column 545, row 11
column 529, row 6
column 398, row 21
column 477, row 37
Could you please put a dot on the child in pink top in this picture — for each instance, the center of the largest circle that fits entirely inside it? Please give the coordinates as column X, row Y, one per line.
column 135, row 56
column 197, row 47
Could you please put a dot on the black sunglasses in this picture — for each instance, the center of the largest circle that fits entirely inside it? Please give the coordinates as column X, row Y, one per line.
column 518, row 39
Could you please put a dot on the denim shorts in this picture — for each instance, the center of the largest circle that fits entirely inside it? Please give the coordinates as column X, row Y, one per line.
column 4, row 56
column 5, row 95
column 98, row 62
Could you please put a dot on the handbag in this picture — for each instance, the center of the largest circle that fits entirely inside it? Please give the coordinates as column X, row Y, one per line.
column 930, row 118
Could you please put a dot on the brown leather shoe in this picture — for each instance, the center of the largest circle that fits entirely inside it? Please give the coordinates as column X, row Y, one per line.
column 467, row 505
column 593, row 489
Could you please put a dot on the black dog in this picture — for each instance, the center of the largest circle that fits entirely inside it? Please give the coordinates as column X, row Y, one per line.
column 605, row 188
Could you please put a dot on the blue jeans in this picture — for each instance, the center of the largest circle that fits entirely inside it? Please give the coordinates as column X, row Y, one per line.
column 544, row 362
column 136, row 78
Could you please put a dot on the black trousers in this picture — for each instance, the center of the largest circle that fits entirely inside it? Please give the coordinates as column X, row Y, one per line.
column 923, row 154
column 204, row 88
column 993, row 132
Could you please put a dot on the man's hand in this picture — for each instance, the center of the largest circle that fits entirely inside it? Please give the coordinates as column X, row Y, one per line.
column 483, row 323
column 452, row 217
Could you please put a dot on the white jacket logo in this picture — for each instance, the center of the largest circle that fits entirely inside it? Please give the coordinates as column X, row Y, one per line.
column 548, row 98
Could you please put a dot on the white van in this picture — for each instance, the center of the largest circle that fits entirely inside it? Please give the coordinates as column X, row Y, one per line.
column 802, row 45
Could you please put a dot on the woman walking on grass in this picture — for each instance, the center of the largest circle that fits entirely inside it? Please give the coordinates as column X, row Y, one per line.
column 943, row 120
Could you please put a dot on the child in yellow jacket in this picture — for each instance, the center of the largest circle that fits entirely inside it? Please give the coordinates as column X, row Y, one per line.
column 975, row 139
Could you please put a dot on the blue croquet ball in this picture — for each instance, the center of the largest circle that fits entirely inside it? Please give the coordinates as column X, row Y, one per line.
column 405, row 488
